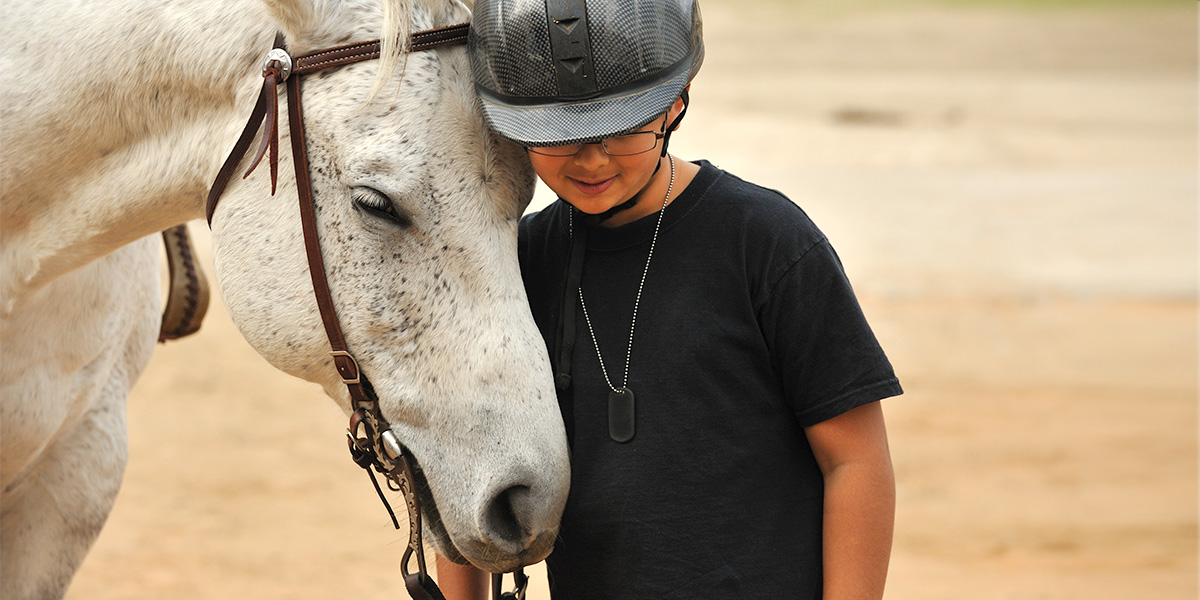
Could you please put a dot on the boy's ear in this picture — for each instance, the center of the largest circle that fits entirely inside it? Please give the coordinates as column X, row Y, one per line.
column 677, row 108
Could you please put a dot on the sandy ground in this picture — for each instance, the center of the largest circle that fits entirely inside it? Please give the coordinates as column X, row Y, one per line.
column 1014, row 196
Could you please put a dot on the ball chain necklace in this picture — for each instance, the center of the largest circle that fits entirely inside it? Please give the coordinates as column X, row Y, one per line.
column 621, row 409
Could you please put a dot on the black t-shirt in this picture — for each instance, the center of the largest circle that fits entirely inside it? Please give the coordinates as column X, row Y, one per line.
column 747, row 332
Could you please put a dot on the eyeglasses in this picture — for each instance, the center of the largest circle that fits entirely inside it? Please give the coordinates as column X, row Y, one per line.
column 629, row 144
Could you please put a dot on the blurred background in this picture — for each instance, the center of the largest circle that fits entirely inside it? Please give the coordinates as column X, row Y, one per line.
column 1012, row 186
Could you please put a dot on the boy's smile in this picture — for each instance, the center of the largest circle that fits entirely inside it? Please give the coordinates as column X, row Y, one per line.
column 593, row 188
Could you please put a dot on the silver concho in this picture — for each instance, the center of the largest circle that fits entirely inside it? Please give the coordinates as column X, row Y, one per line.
column 285, row 63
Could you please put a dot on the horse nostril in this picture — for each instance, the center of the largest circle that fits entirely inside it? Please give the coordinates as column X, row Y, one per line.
column 501, row 520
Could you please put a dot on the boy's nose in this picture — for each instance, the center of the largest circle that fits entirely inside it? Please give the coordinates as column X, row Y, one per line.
column 591, row 156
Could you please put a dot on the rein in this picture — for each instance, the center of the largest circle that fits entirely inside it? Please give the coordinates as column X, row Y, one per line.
column 373, row 445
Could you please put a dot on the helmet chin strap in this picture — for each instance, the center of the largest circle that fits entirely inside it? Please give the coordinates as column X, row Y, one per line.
column 630, row 203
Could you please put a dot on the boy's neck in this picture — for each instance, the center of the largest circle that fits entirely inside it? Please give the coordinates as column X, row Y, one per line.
column 650, row 199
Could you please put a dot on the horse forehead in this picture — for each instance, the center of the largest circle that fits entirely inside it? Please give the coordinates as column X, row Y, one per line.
column 426, row 86
column 425, row 123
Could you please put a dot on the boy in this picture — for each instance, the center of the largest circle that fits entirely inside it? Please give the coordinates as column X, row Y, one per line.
column 719, row 384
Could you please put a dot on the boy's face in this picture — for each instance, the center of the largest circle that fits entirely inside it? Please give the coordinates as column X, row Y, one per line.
column 594, row 182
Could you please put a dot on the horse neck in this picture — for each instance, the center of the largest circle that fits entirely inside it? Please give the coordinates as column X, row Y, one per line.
column 132, row 147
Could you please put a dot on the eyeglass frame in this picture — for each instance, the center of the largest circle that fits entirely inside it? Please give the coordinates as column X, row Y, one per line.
column 658, row 135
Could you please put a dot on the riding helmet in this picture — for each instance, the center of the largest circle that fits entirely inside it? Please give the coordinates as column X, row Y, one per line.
column 551, row 72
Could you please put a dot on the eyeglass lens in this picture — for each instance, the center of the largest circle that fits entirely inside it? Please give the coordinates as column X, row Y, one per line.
column 622, row 145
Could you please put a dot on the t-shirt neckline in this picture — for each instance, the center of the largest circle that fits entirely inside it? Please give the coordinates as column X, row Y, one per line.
column 642, row 230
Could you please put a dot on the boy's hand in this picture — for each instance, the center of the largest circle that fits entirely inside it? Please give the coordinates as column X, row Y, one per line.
column 461, row 583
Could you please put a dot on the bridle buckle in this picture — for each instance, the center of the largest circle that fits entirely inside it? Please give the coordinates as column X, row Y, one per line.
column 348, row 370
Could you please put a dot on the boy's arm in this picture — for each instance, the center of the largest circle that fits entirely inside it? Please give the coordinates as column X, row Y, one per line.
column 459, row 582
column 860, row 501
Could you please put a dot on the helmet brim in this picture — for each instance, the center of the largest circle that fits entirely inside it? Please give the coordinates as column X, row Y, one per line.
column 583, row 121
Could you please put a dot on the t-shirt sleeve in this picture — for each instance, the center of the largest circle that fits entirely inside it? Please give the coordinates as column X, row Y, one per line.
column 825, row 353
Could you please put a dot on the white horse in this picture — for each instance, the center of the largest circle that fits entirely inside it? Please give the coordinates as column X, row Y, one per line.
column 116, row 117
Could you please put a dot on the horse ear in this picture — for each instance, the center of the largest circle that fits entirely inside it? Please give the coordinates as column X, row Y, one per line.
column 294, row 16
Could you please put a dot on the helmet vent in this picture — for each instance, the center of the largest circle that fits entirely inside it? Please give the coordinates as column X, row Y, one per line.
column 571, row 46
column 573, row 64
column 566, row 25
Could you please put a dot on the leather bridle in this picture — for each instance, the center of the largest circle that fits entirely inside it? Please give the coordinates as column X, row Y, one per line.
column 373, row 446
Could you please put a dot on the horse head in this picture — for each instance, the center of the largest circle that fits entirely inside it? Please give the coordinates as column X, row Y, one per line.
column 417, row 206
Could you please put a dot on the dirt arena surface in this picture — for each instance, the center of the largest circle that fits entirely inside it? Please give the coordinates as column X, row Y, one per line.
column 1013, row 191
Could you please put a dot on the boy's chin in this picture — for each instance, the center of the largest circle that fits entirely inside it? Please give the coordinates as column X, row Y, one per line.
column 591, row 206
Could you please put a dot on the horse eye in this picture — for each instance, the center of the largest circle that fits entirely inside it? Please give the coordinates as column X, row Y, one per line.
column 379, row 205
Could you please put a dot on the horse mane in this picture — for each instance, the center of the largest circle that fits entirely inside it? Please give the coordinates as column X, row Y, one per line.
column 397, row 25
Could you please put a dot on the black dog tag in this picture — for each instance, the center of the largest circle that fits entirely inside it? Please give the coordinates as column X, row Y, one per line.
column 620, row 415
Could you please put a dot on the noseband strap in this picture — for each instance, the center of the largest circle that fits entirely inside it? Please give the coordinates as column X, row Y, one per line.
column 373, row 446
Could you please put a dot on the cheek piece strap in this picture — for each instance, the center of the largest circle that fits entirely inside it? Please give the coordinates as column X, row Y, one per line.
column 608, row 214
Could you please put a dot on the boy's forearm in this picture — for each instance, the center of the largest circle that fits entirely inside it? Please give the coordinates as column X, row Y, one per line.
column 860, row 508
column 459, row 582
